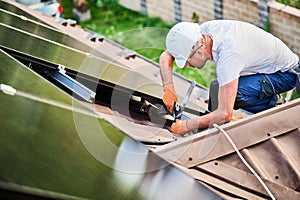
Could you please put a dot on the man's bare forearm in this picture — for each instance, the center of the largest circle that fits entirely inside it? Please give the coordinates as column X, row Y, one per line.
column 166, row 67
column 206, row 121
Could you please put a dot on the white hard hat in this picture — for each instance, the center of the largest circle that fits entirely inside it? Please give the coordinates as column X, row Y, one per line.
column 181, row 39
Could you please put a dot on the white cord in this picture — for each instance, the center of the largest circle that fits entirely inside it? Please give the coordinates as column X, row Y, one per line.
column 7, row 89
column 244, row 161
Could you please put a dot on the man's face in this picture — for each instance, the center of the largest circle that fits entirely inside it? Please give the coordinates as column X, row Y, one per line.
column 197, row 57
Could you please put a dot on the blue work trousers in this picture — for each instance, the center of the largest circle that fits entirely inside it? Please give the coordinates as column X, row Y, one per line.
column 259, row 92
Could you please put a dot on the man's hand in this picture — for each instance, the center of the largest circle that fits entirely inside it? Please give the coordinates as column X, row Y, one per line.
column 180, row 127
column 170, row 96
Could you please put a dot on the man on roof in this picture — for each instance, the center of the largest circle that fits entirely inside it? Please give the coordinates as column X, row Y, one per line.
column 253, row 67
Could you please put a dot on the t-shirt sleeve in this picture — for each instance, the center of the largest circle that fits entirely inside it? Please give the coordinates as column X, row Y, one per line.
column 229, row 67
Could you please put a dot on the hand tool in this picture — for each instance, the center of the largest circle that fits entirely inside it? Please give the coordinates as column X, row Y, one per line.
column 178, row 109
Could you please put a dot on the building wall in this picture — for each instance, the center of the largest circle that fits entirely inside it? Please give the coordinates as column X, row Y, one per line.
column 161, row 8
column 285, row 24
column 131, row 4
column 284, row 20
column 243, row 10
column 204, row 9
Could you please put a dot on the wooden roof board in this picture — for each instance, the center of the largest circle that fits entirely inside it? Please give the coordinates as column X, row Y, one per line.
column 210, row 144
column 275, row 157
column 143, row 131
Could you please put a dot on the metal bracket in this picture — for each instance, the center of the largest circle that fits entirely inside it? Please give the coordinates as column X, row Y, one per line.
column 127, row 54
column 72, row 22
column 65, row 22
column 73, row 85
column 93, row 36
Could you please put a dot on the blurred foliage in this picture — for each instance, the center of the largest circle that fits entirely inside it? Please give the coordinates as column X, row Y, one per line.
column 292, row 3
column 267, row 26
column 103, row 3
column 195, row 17
column 203, row 76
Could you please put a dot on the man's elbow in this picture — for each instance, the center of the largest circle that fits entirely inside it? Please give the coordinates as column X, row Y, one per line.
column 163, row 56
column 166, row 57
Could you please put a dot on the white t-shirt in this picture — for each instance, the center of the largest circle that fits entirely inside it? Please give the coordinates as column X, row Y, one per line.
column 240, row 49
